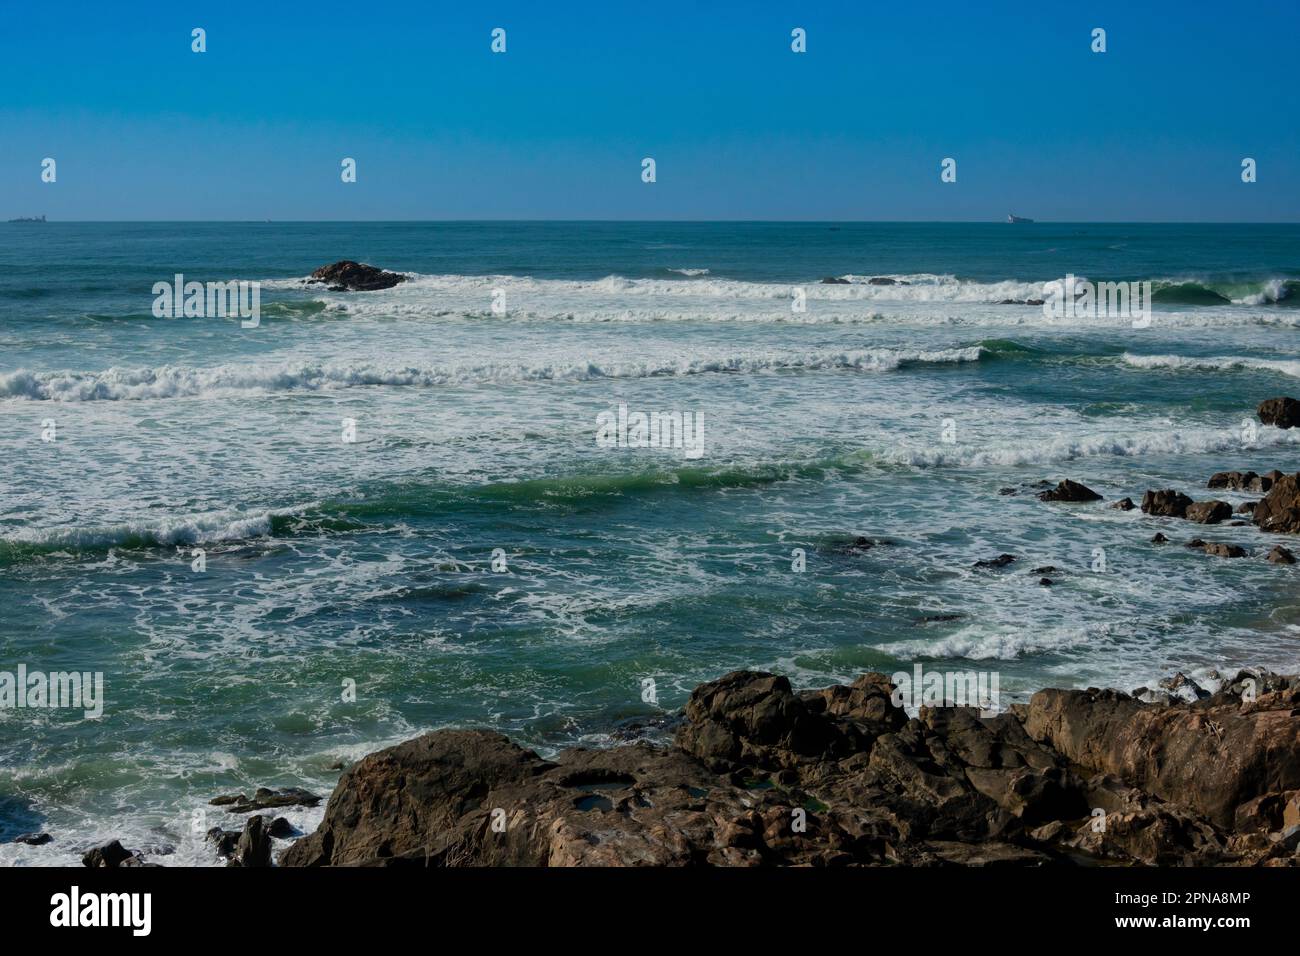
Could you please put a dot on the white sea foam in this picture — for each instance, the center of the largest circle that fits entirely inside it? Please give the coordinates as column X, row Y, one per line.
column 1222, row 363
column 171, row 381
column 1172, row 441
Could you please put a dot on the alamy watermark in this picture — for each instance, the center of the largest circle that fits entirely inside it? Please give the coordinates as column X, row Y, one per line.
column 209, row 300
column 36, row 690
column 946, row 689
column 1075, row 298
column 624, row 429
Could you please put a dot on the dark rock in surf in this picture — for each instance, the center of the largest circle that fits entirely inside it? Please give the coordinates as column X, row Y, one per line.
column 33, row 839
column 1283, row 412
column 1280, row 555
column 1124, row 504
column 1159, row 538
column 1165, row 504
column 223, row 841
column 1208, row 512
column 254, row 846
column 1001, row 561
column 109, row 856
column 265, row 799
column 349, row 276
column 1279, row 510
column 1069, row 490
column 835, row 280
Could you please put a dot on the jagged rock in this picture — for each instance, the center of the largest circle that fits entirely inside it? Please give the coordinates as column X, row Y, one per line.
column 1279, row 510
column 1280, row 555
column 1283, row 412
column 1068, row 490
column 1208, row 512
column 350, row 276
column 1124, row 504
column 1245, row 508
column 1165, row 504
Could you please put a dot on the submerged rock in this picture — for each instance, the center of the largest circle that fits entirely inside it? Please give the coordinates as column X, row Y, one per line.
column 1221, row 550
column 349, row 276
column 1281, row 555
column 1001, row 561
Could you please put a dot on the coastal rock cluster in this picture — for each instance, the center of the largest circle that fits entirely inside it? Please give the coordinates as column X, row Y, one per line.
column 1278, row 511
column 759, row 774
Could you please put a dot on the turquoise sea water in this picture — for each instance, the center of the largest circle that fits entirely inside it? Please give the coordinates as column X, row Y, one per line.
column 896, row 412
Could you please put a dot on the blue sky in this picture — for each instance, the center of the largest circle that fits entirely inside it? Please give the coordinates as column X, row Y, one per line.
column 740, row 127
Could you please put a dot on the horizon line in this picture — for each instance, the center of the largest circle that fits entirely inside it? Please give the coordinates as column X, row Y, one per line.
column 1045, row 222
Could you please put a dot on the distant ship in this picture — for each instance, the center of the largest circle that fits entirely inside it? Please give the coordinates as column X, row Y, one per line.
column 25, row 219
column 1011, row 218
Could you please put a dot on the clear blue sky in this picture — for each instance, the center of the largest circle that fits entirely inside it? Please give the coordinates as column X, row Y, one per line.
column 740, row 127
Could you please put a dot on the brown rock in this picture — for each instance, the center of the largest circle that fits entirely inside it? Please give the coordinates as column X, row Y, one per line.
column 1279, row 511
column 1208, row 512
column 1220, row 550
column 1165, row 504
column 1280, row 555
column 1282, row 412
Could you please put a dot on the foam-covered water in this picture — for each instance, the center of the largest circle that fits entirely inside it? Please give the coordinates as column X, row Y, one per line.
column 893, row 410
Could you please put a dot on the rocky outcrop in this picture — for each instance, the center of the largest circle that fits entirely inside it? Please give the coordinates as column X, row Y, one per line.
column 761, row 774
column 1243, row 480
column 349, row 276
column 1069, row 490
column 1209, row 757
column 1283, row 412
column 1279, row 510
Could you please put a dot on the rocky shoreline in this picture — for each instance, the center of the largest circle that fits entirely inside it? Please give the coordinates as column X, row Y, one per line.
column 759, row 774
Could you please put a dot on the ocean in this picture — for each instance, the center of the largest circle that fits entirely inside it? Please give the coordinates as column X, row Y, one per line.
column 266, row 600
